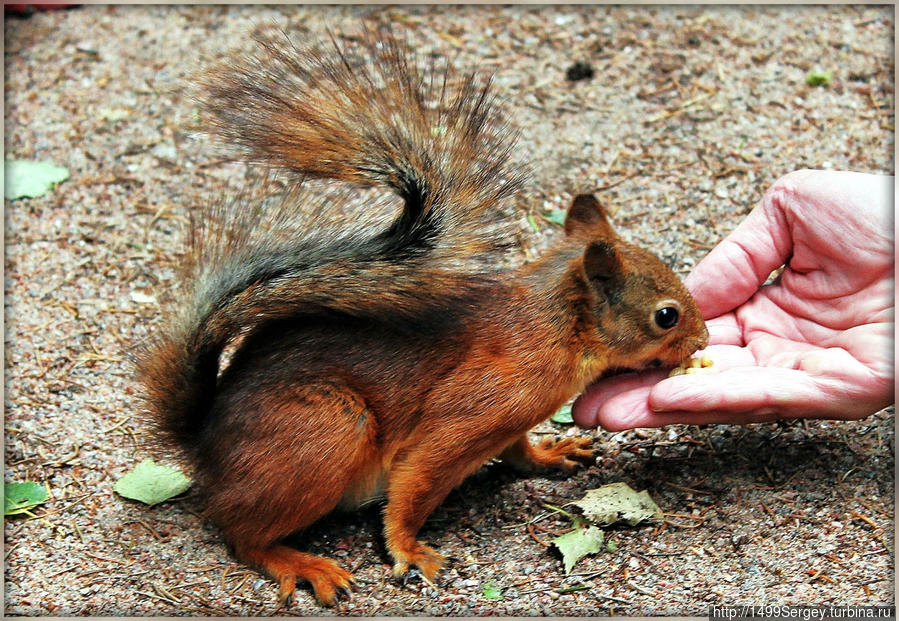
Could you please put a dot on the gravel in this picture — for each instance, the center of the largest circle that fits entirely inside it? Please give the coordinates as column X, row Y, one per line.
column 690, row 114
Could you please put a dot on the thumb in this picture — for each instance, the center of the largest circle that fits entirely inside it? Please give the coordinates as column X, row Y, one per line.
column 787, row 392
column 746, row 257
column 732, row 390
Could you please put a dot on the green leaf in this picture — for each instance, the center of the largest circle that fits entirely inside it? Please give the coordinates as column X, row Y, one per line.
column 24, row 178
column 556, row 216
column 817, row 77
column 617, row 502
column 533, row 223
column 492, row 592
column 151, row 483
column 577, row 544
column 563, row 416
column 574, row 589
column 22, row 497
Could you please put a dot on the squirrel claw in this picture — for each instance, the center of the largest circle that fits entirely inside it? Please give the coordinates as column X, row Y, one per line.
column 428, row 581
column 400, row 570
column 327, row 588
column 424, row 558
column 285, row 593
column 566, row 454
column 328, row 582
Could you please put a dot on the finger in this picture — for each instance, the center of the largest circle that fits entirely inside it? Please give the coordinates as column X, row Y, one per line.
column 798, row 220
column 762, row 415
column 663, row 419
column 789, row 392
column 857, row 231
column 724, row 330
column 586, row 407
column 601, row 399
column 734, row 270
column 630, row 410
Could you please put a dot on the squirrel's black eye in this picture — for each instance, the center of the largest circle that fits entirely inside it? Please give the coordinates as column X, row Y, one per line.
column 666, row 317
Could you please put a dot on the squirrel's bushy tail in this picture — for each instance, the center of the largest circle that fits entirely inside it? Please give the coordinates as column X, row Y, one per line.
column 366, row 115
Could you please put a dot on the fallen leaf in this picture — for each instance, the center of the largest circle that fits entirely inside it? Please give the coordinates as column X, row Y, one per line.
column 556, row 216
column 817, row 77
column 577, row 544
column 492, row 592
column 114, row 114
column 24, row 178
column 151, row 483
column 563, row 416
column 142, row 298
column 617, row 502
column 22, row 497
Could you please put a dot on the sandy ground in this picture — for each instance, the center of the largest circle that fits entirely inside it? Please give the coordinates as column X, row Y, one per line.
column 691, row 114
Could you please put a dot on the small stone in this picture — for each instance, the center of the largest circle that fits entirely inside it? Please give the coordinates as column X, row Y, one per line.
column 579, row 71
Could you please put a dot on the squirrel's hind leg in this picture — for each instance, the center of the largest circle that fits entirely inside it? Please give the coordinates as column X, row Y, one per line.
column 287, row 565
column 278, row 468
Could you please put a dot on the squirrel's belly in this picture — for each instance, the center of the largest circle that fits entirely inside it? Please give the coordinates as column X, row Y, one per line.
column 361, row 495
column 368, row 487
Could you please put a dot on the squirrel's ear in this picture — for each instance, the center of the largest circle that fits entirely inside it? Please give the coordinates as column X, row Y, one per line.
column 602, row 262
column 587, row 216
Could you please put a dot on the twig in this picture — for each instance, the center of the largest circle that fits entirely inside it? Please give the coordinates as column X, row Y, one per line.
column 582, row 587
column 159, row 597
column 149, row 528
column 116, row 426
column 614, row 599
column 559, row 510
column 688, row 489
column 10, row 549
column 108, row 560
column 534, row 536
column 640, row 589
column 681, row 108
column 612, row 184
column 60, row 572
column 68, row 506
column 641, row 557
column 863, row 518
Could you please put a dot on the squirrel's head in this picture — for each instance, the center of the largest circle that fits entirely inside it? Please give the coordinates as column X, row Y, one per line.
column 645, row 316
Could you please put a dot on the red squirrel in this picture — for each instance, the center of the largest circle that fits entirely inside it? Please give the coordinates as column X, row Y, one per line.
column 388, row 360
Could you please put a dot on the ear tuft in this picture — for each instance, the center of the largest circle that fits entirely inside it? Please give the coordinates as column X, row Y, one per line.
column 586, row 216
column 602, row 262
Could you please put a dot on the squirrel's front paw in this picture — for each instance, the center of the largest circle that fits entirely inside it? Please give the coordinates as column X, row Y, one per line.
column 564, row 454
column 426, row 559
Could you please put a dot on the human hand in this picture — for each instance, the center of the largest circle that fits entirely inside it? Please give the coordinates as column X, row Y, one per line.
column 815, row 343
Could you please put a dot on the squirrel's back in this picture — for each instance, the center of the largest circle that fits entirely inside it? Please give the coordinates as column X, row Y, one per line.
column 366, row 115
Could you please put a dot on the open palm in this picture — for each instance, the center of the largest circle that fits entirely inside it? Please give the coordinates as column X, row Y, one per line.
column 816, row 342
